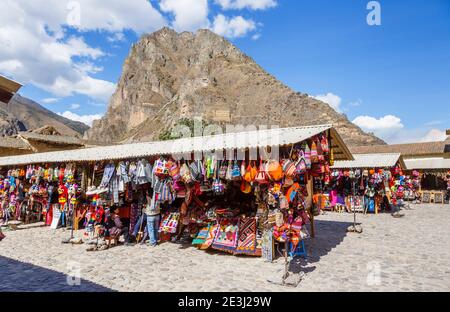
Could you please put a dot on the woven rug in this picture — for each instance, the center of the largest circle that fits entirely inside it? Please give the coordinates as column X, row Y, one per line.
column 246, row 243
column 210, row 238
column 226, row 235
column 202, row 235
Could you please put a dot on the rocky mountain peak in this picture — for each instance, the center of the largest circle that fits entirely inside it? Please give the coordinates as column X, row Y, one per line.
column 169, row 76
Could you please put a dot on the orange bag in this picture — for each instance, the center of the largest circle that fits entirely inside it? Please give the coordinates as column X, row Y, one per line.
column 250, row 173
column 274, row 170
column 246, row 187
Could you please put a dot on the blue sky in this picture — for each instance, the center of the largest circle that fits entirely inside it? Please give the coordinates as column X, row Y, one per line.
column 392, row 79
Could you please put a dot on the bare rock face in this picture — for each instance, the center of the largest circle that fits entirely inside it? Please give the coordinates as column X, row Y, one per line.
column 9, row 125
column 168, row 76
column 22, row 114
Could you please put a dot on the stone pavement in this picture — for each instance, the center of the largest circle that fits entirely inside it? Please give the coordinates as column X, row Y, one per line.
column 405, row 254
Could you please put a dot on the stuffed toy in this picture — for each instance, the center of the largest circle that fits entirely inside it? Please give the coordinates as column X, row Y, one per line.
column 63, row 194
column 73, row 190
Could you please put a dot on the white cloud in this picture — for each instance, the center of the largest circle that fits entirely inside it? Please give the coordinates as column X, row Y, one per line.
column 232, row 27
column 49, row 100
column 35, row 47
column 189, row 15
column 331, row 99
column 434, row 135
column 249, row 4
column 256, row 36
column 86, row 119
column 116, row 37
column 388, row 127
column 75, row 106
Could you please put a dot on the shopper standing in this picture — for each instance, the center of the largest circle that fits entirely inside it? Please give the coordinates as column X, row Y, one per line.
column 152, row 213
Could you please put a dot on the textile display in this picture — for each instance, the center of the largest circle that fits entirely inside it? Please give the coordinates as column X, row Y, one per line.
column 210, row 238
column 170, row 223
column 227, row 234
column 247, row 236
column 202, row 235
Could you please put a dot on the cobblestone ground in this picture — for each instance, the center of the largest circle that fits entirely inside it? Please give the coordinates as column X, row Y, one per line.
column 411, row 253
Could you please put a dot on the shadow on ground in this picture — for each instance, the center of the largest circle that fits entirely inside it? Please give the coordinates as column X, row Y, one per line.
column 329, row 234
column 18, row 276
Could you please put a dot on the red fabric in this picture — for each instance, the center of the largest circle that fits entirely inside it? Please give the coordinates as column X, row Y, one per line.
column 124, row 212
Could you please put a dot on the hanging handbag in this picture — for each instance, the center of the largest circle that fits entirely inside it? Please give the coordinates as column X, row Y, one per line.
column 261, row 176
column 196, row 170
column 174, row 171
column 229, row 175
column 223, row 170
column 185, row 174
column 274, row 170
column 236, row 172
column 246, row 187
column 289, row 168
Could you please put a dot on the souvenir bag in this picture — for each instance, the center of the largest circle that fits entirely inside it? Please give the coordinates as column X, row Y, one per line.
column 314, row 154
column 161, row 169
column 185, row 173
column 261, row 176
column 174, row 171
column 250, row 173
column 229, row 174
column 170, row 223
column 301, row 165
column 178, row 186
column 246, row 187
column 253, row 171
column 209, row 170
column 236, row 172
column 218, row 187
column 289, row 168
column 196, row 170
column 274, row 170
column 243, row 169
column 167, row 193
column 307, row 156
column 324, row 144
column 223, row 170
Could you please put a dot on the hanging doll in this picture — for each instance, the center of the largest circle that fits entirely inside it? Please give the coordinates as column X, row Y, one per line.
column 63, row 194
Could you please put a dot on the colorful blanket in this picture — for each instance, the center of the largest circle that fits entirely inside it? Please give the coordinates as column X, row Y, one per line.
column 210, row 238
column 170, row 223
column 202, row 235
column 226, row 235
column 246, row 243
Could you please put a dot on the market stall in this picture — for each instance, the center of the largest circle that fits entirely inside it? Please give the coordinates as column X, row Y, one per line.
column 235, row 192
column 369, row 183
column 434, row 178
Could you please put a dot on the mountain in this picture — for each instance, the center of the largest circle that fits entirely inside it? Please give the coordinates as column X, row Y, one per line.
column 24, row 114
column 170, row 76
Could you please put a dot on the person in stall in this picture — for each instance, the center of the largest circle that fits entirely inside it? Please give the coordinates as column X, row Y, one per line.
column 153, row 216
column 192, row 193
column 115, row 226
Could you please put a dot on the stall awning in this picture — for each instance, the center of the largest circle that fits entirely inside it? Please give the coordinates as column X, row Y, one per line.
column 438, row 163
column 238, row 140
column 362, row 161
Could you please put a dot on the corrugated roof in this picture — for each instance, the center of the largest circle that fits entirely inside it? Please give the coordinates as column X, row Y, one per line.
column 370, row 161
column 57, row 139
column 9, row 85
column 411, row 149
column 432, row 163
column 240, row 140
column 16, row 143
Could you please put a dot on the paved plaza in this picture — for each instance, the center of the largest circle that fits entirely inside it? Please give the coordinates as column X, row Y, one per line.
column 411, row 253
